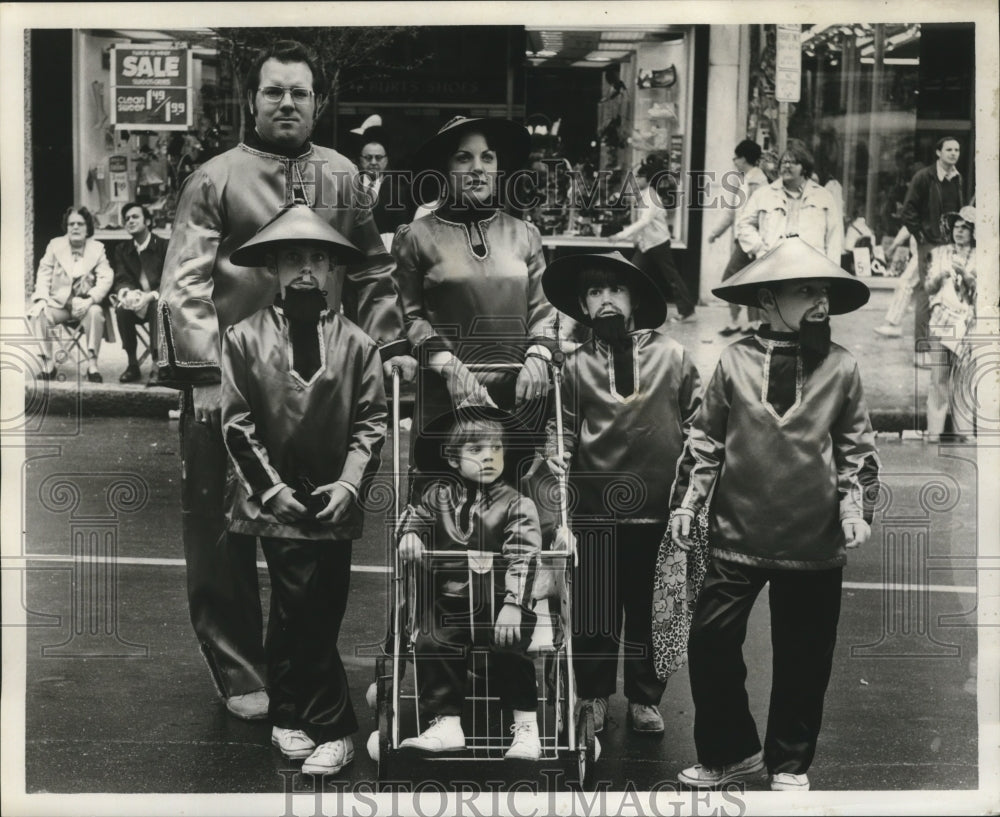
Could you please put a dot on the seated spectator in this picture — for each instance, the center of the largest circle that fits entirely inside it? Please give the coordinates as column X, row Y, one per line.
column 74, row 277
column 138, row 266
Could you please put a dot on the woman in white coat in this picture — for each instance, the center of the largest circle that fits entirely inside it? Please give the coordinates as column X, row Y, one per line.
column 74, row 277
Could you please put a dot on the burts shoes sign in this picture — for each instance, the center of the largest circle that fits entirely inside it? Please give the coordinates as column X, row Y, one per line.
column 151, row 87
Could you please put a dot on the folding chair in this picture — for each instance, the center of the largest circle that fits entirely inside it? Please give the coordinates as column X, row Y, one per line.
column 70, row 338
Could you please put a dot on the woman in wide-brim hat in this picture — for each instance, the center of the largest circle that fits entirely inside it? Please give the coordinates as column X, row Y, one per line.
column 951, row 289
column 469, row 278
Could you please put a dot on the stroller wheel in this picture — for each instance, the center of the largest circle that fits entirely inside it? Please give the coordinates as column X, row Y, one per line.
column 586, row 743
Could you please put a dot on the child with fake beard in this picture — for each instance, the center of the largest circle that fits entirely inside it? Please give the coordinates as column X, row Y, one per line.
column 303, row 419
column 629, row 394
column 784, row 451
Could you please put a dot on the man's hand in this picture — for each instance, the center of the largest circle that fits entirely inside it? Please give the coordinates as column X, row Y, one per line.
column 856, row 531
column 79, row 307
column 565, row 541
column 285, row 507
column 507, row 632
column 464, row 387
column 207, row 404
column 339, row 504
column 680, row 529
column 35, row 309
column 532, row 380
column 411, row 549
column 406, row 364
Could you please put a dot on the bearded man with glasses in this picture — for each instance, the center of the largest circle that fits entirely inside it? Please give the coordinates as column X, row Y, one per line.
column 222, row 204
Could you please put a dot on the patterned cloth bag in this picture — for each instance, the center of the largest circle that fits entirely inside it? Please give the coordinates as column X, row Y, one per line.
column 676, row 585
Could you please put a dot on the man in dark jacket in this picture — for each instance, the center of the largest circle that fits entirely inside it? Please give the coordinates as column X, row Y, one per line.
column 138, row 267
column 933, row 191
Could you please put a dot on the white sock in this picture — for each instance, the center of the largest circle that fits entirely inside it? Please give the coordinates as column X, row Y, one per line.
column 524, row 716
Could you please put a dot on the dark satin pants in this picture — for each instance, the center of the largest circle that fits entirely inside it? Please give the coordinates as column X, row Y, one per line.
column 612, row 592
column 222, row 586
column 442, row 662
column 307, row 682
column 805, row 609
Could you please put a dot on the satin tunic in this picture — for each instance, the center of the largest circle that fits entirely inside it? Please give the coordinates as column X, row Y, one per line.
column 222, row 204
column 501, row 521
column 624, row 449
column 483, row 309
column 280, row 428
column 782, row 482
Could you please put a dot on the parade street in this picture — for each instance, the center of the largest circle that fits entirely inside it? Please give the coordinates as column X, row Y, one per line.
column 118, row 698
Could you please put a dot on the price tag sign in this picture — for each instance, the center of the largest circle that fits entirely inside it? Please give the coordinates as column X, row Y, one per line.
column 788, row 63
column 151, row 87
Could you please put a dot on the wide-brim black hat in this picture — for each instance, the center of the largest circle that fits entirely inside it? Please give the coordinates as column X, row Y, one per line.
column 430, row 457
column 560, row 282
column 510, row 140
column 792, row 259
column 296, row 223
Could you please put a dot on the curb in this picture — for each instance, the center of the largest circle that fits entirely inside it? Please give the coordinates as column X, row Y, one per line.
column 87, row 400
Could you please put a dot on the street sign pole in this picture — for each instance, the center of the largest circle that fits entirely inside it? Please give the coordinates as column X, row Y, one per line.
column 787, row 75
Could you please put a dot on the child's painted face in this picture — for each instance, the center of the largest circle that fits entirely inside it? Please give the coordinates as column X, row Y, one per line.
column 480, row 460
column 609, row 299
column 805, row 300
column 302, row 265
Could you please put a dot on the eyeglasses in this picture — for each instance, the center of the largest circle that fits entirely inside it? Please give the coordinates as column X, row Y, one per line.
column 275, row 93
column 784, row 162
column 373, row 157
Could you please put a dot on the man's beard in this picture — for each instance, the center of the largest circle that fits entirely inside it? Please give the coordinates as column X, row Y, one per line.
column 814, row 340
column 611, row 329
column 303, row 304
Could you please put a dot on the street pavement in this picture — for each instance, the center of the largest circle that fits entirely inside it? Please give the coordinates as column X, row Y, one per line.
column 118, row 698
column 894, row 388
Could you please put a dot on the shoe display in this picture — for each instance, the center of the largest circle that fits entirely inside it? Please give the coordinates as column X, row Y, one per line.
column 294, row 743
column 94, row 377
column 645, row 718
column 526, row 744
column 600, row 706
column 250, row 707
column 131, row 374
column 887, row 330
column 750, row 768
column 329, row 758
column 443, row 735
column 786, row 781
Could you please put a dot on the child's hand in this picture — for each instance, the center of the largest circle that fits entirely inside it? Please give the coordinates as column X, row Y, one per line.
column 680, row 529
column 285, row 507
column 857, row 532
column 339, row 504
column 508, row 628
column 557, row 466
column 411, row 549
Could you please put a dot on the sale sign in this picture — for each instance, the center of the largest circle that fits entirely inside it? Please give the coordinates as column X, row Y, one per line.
column 151, row 87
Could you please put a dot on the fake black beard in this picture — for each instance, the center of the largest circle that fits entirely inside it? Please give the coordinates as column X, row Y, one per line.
column 611, row 329
column 303, row 304
column 814, row 340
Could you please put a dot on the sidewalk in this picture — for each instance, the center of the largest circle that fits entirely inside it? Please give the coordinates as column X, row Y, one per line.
column 894, row 388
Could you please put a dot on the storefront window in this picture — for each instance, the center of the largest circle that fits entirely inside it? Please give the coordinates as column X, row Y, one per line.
column 873, row 103
column 600, row 104
column 141, row 133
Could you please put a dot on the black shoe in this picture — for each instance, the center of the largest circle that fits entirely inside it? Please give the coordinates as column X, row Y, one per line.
column 154, row 378
column 49, row 375
column 131, row 374
column 729, row 330
column 94, row 377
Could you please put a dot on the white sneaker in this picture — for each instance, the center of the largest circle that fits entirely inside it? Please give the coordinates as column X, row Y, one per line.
column 526, row 745
column 786, row 781
column 443, row 735
column 887, row 330
column 699, row 776
column 329, row 758
column 294, row 743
